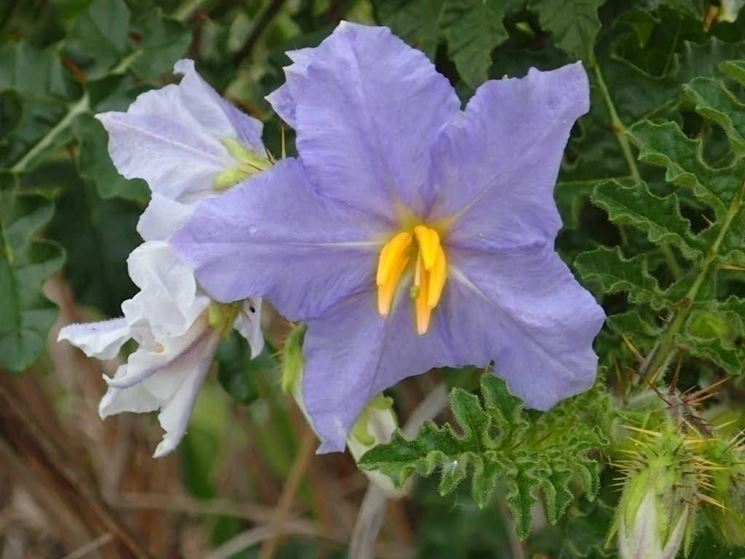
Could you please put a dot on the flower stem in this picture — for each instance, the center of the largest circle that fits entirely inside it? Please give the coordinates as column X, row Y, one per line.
column 666, row 348
column 619, row 129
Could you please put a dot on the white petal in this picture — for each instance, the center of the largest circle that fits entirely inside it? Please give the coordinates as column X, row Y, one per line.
column 162, row 217
column 175, row 416
column 159, row 140
column 217, row 116
column 169, row 300
column 248, row 324
column 167, row 380
column 97, row 339
column 165, row 352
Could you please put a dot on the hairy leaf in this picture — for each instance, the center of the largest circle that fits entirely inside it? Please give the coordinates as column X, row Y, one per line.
column 502, row 445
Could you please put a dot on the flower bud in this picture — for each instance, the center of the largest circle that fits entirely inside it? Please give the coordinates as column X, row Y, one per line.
column 655, row 510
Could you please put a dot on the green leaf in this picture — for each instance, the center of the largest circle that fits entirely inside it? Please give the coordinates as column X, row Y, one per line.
column 658, row 217
column 715, row 102
column 574, row 24
column 473, row 29
column 666, row 146
column 25, row 314
column 102, row 31
column 415, row 21
column 614, row 273
column 504, row 446
column 95, row 164
column 164, row 41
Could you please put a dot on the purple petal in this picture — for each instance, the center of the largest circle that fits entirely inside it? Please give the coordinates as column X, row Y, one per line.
column 367, row 109
column 273, row 237
column 282, row 99
column 496, row 167
column 352, row 354
column 524, row 310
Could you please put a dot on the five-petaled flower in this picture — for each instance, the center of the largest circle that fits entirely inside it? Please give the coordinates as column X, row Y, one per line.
column 408, row 234
column 188, row 144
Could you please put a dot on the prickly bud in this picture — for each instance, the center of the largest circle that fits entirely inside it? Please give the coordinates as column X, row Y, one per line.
column 655, row 511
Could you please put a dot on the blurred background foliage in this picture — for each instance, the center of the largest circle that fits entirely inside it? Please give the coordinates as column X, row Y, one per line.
column 72, row 484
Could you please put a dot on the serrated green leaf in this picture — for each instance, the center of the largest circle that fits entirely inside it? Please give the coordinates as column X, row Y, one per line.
column 728, row 357
column 25, row 314
column 574, row 24
column 665, row 145
column 658, row 217
column 473, row 29
column 614, row 274
column 715, row 102
column 417, row 22
column 503, row 446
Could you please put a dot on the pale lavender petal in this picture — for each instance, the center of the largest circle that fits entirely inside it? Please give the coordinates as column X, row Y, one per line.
column 163, row 217
column 352, row 354
column 220, row 118
column 281, row 99
column 273, row 237
column 102, row 340
column 524, row 310
column 367, row 110
column 496, row 167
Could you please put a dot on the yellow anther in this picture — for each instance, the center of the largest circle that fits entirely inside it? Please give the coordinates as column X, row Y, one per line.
column 387, row 290
column 437, row 278
column 429, row 242
column 393, row 252
column 430, row 272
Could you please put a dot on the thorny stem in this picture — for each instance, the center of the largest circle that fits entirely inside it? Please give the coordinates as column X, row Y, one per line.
column 666, row 347
column 619, row 130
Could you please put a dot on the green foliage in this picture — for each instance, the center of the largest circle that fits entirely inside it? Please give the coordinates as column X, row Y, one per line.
column 574, row 24
column 697, row 321
column 500, row 444
column 25, row 262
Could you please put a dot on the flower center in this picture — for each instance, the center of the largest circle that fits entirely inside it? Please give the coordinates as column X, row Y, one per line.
column 423, row 248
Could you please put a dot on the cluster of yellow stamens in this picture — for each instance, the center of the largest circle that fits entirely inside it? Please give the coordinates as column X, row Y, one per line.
column 430, row 272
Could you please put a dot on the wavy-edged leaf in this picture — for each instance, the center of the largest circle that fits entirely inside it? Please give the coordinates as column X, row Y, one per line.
column 25, row 314
column 613, row 273
column 503, row 446
column 715, row 102
column 666, row 146
column 658, row 217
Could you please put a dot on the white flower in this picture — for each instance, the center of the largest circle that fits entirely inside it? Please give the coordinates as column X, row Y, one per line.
column 188, row 144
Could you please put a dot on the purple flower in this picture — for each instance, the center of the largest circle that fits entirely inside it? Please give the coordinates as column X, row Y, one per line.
column 408, row 234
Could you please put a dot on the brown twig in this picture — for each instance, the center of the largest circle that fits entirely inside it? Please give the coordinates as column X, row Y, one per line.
column 307, row 442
